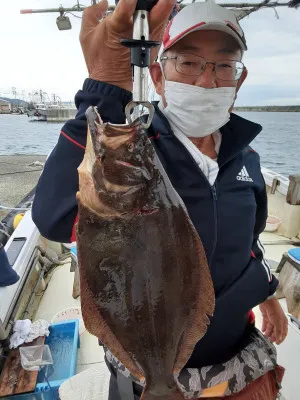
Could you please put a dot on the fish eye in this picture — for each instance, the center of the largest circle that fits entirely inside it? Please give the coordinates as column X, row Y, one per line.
column 130, row 147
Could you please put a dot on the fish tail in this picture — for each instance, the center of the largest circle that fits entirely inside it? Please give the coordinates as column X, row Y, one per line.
column 175, row 394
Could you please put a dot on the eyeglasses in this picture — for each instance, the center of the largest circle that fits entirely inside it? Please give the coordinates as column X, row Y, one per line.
column 192, row 65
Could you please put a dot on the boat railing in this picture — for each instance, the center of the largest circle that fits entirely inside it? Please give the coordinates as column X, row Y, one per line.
column 24, row 262
column 272, row 178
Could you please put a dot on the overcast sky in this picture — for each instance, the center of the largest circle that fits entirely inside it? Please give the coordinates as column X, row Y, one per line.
column 36, row 55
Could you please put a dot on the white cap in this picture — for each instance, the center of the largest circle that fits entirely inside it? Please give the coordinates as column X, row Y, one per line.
column 202, row 16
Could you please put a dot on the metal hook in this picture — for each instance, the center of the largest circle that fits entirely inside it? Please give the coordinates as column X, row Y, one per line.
column 130, row 106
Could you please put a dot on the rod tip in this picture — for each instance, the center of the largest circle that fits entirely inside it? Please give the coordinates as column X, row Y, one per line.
column 25, row 11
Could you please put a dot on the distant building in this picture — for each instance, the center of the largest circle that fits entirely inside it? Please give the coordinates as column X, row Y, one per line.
column 5, row 107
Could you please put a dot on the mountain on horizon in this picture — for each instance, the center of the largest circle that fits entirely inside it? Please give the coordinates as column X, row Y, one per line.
column 14, row 101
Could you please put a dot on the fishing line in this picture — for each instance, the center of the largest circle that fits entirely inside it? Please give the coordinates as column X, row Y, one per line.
column 46, row 379
column 76, row 16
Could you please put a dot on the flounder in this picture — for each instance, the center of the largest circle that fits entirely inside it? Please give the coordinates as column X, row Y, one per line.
column 146, row 290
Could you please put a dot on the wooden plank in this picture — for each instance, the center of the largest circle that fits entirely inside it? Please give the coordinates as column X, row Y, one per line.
column 14, row 379
column 293, row 194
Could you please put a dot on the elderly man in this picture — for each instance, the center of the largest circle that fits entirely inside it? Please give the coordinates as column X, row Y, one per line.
column 205, row 151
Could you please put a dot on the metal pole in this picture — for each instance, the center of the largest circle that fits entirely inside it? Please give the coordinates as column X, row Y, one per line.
column 58, row 10
column 140, row 76
column 111, row 8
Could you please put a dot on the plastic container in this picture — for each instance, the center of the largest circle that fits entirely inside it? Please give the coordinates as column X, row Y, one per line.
column 273, row 223
column 294, row 254
column 70, row 314
column 35, row 357
column 63, row 342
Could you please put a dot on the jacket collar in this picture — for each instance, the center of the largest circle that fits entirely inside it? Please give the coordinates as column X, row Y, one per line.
column 237, row 134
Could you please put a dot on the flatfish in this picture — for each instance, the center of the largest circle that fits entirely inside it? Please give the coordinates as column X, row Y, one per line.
column 146, row 290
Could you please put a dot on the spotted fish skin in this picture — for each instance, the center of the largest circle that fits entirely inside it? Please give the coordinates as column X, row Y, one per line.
column 146, row 290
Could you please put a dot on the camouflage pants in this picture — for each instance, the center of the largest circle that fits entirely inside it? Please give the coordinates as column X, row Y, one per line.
column 252, row 374
column 264, row 388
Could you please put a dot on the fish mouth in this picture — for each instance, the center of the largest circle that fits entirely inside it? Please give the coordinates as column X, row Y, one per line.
column 134, row 169
column 125, row 164
column 121, row 189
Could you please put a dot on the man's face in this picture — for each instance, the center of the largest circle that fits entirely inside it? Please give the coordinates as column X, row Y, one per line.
column 212, row 46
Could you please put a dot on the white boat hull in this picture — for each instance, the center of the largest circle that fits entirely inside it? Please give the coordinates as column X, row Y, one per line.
column 37, row 116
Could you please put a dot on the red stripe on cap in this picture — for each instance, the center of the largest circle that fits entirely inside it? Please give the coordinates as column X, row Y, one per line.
column 168, row 43
column 166, row 37
column 234, row 27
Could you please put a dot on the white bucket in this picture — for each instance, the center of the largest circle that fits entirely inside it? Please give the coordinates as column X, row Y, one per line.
column 273, row 223
column 70, row 313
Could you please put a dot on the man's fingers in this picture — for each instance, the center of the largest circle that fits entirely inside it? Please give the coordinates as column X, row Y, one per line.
column 264, row 324
column 123, row 14
column 277, row 333
column 282, row 332
column 269, row 330
column 92, row 15
column 160, row 12
column 285, row 328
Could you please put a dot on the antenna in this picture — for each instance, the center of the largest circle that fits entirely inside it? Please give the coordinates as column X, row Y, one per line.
column 63, row 22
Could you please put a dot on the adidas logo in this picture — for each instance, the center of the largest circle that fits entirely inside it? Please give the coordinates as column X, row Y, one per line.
column 244, row 176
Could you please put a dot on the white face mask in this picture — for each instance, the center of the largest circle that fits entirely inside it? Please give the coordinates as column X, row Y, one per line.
column 196, row 111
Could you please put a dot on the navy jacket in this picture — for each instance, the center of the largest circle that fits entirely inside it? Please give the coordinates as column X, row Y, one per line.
column 8, row 275
column 228, row 216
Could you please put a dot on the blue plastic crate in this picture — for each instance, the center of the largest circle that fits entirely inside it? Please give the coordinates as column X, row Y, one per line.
column 63, row 342
column 295, row 254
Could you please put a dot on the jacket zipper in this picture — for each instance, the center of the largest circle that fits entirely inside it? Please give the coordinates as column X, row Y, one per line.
column 215, row 199
column 213, row 189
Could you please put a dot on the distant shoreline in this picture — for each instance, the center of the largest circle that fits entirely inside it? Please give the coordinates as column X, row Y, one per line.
column 269, row 108
column 246, row 108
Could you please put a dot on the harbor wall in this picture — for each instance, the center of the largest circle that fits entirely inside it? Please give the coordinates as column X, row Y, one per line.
column 19, row 175
column 60, row 115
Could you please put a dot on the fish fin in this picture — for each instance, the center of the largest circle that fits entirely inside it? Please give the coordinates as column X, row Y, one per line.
column 205, row 305
column 97, row 326
column 175, row 394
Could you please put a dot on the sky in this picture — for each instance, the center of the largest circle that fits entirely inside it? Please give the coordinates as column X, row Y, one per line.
column 36, row 55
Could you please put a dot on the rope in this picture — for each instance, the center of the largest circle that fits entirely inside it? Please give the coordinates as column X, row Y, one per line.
column 4, row 227
column 5, row 233
column 14, row 209
column 21, row 172
column 4, row 230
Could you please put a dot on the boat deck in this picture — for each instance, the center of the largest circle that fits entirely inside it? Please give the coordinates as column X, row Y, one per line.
column 57, row 297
